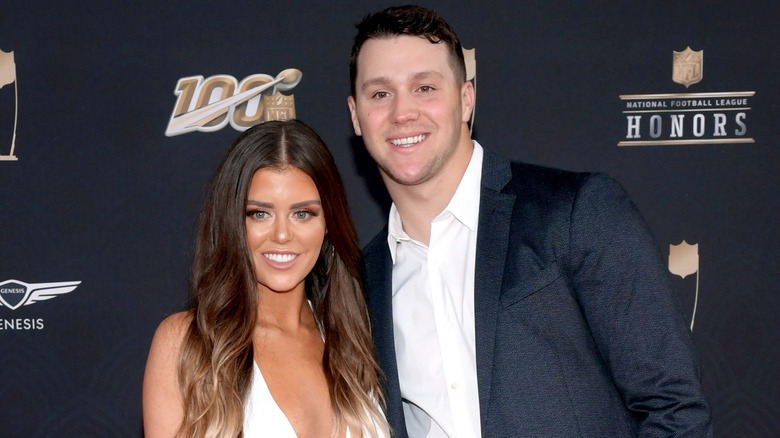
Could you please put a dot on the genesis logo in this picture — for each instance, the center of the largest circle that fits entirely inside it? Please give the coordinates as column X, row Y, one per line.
column 15, row 294
column 209, row 104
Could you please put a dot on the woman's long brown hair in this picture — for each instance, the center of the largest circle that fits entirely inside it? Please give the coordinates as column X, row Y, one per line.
column 215, row 367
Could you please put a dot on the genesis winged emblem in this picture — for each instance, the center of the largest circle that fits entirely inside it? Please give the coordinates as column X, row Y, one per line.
column 15, row 293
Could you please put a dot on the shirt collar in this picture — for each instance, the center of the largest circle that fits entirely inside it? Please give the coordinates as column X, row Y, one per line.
column 395, row 231
column 464, row 205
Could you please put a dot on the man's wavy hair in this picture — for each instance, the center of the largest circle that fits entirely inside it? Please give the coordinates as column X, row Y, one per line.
column 216, row 362
column 412, row 21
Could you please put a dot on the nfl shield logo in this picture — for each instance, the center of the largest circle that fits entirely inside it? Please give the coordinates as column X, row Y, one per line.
column 684, row 259
column 688, row 67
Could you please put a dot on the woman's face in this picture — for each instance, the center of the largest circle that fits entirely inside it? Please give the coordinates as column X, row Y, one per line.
column 285, row 227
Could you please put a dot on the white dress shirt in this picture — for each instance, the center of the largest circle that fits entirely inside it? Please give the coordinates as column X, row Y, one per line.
column 433, row 315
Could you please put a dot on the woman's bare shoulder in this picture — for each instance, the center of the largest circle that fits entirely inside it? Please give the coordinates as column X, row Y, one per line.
column 173, row 328
column 166, row 344
column 162, row 402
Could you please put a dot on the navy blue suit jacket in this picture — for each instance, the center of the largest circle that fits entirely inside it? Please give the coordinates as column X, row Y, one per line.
column 578, row 333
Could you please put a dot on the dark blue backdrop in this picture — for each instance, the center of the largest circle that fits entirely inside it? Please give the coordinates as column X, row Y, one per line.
column 99, row 194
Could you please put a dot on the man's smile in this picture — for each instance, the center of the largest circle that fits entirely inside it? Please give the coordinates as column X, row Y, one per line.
column 408, row 141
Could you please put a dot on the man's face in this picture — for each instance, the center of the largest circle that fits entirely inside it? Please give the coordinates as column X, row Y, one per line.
column 410, row 109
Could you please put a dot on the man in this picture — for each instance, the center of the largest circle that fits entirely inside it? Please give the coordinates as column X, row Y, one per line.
column 546, row 311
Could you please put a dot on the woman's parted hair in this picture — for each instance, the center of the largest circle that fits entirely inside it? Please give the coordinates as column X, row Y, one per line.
column 215, row 368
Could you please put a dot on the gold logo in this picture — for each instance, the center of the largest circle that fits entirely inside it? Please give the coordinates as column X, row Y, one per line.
column 210, row 104
column 279, row 106
column 684, row 261
column 710, row 117
column 8, row 76
column 688, row 67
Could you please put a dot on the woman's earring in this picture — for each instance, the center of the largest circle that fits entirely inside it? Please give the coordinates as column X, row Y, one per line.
column 330, row 262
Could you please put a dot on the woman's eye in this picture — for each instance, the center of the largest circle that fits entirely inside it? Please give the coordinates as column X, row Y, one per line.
column 302, row 215
column 257, row 214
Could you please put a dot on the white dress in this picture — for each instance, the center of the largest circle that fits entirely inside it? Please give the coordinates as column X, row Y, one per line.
column 263, row 417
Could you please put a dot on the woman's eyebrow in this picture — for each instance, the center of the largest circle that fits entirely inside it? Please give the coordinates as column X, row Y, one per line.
column 305, row 203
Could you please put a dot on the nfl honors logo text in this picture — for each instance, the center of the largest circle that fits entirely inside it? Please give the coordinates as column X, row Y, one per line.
column 15, row 294
column 687, row 118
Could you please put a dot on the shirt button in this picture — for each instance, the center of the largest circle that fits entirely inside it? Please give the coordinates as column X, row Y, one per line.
column 455, row 385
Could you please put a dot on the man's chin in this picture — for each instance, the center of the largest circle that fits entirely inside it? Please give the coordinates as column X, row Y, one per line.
column 405, row 178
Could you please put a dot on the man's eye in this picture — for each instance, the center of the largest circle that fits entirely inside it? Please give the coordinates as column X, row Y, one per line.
column 426, row 88
column 380, row 94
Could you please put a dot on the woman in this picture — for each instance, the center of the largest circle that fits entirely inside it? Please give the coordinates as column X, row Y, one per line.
column 278, row 342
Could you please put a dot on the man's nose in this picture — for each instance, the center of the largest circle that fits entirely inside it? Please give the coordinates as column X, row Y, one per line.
column 404, row 108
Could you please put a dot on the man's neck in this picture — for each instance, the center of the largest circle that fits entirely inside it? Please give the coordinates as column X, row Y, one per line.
column 419, row 204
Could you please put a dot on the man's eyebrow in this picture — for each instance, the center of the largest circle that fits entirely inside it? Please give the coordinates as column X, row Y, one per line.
column 427, row 74
column 381, row 80
column 384, row 80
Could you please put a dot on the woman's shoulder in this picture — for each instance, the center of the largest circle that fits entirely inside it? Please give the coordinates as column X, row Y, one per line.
column 175, row 326
column 168, row 338
column 166, row 346
column 162, row 403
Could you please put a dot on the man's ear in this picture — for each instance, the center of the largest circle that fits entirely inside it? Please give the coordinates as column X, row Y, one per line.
column 467, row 101
column 353, row 113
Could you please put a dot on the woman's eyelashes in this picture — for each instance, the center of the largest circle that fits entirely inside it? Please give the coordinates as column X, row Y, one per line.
column 258, row 214
column 303, row 214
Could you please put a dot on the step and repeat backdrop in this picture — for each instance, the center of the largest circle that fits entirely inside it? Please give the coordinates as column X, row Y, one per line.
column 113, row 116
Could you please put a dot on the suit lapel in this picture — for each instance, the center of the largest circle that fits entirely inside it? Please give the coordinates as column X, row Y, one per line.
column 495, row 214
column 379, row 294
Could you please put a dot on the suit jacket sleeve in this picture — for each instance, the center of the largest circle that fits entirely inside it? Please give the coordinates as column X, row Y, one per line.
column 621, row 283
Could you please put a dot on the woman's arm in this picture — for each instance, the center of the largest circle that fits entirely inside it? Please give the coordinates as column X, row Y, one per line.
column 162, row 402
